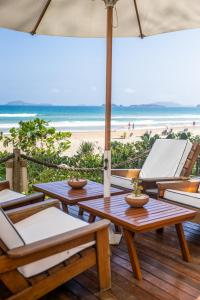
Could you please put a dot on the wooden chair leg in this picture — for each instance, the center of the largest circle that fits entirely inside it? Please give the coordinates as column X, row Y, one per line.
column 133, row 254
column 183, row 242
column 103, row 259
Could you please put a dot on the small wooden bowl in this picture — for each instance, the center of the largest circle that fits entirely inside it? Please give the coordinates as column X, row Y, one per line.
column 136, row 201
column 77, row 184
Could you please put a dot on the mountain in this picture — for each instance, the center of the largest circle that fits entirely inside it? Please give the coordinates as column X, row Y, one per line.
column 167, row 104
column 22, row 103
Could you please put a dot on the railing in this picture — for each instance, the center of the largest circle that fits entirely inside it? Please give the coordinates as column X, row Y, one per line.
column 17, row 160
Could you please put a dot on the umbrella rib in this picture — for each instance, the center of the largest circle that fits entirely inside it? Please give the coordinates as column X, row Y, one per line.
column 138, row 19
column 41, row 17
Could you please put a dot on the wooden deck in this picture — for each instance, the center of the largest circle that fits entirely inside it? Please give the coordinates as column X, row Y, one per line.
column 166, row 275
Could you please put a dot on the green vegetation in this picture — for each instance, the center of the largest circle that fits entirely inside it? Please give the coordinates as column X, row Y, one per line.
column 35, row 138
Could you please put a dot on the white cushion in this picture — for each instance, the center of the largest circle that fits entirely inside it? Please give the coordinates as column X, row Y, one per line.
column 47, row 223
column 185, row 198
column 8, row 232
column 166, row 158
column 122, row 181
column 7, row 195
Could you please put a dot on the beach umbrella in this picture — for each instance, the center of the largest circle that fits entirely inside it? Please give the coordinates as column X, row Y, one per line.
column 87, row 18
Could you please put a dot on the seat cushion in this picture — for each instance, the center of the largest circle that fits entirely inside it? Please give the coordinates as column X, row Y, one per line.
column 122, row 182
column 48, row 223
column 7, row 195
column 166, row 158
column 8, row 232
column 185, row 198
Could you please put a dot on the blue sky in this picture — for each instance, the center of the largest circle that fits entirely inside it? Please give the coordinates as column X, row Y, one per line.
column 72, row 71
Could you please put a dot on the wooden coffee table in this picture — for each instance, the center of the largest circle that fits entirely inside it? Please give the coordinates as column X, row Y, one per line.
column 155, row 215
column 68, row 196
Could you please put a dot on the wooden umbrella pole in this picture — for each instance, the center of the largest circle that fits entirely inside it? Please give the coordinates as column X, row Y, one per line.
column 108, row 78
column 108, row 108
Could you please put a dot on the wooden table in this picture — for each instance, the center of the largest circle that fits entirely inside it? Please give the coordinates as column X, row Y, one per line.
column 68, row 196
column 155, row 215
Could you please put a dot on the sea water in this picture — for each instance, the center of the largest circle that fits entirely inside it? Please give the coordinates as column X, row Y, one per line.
column 91, row 118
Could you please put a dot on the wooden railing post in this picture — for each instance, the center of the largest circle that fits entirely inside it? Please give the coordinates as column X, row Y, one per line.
column 16, row 170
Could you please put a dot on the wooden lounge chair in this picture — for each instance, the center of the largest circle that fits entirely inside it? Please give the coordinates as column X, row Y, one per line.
column 41, row 247
column 182, row 193
column 168, row 160
column 11, row 199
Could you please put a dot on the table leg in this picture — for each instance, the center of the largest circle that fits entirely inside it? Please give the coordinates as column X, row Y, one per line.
column 81, row 211
column 91, row 218
column 65, row 208
column 133, row 254
column 160, row 230
column 183, row 242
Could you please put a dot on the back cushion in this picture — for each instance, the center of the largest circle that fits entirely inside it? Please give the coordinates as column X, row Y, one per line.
column 8, row 233
column 166, row 158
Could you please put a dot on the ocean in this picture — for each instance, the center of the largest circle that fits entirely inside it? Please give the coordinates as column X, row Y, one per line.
column 91, row 118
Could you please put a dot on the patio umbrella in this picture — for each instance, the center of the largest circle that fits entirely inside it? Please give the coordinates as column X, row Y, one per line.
column 87, row 18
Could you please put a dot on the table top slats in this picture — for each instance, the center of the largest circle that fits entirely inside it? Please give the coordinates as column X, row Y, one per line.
column 63, row 192
column 152, row 215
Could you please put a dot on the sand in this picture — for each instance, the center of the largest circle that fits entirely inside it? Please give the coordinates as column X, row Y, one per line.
column 125, row 136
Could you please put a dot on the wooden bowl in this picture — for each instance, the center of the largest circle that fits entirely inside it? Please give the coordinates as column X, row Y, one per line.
column 136, row 201
column 77, row 184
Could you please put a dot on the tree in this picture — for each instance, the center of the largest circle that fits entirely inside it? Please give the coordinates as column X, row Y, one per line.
column 36, row 137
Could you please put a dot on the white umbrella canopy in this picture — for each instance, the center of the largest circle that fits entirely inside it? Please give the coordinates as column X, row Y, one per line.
column 87, row 18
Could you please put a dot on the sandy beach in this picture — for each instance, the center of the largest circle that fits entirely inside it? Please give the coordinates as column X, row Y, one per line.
column 123, row 136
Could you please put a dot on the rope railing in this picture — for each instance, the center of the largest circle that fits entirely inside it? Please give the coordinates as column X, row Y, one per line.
column 5, row 159
column 61, row 166
column 73, row 169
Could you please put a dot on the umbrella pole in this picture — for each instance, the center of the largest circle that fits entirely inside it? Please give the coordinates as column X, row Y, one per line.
column 108, row 107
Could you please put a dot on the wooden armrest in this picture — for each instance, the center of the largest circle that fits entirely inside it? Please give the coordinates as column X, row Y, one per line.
column 24, row 200
column 164, row 179
column 128, row 173
column 4, row 185
column 35, row 251
column 24, row 212
column 186, row 186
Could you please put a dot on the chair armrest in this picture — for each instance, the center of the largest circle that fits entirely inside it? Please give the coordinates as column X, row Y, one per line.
column 4, row 185
column 128, row 173
column 186, row 186
column 35, row 251
column 21, row 213
column 24, row 200
column 164, row 179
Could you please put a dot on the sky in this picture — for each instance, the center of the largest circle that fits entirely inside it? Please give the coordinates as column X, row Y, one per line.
column 71, row 71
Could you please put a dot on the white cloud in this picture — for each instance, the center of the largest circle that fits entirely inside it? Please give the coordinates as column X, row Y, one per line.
column 129, row 90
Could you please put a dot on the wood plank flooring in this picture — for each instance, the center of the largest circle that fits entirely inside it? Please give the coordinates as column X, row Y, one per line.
column 166, row 275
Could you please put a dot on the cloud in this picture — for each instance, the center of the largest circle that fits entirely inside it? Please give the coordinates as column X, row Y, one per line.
column 55, row 90
column 129, row 90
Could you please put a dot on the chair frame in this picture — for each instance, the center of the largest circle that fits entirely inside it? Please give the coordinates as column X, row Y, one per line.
column 151, row 183
column 35, row 287
column 24, row 200
column 184, row 186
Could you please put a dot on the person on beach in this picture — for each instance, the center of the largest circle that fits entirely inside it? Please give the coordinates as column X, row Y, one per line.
column 133, row 126
column 193, row 123
column 129, row 125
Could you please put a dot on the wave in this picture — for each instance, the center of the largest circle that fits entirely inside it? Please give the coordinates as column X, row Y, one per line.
column 23, row 115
